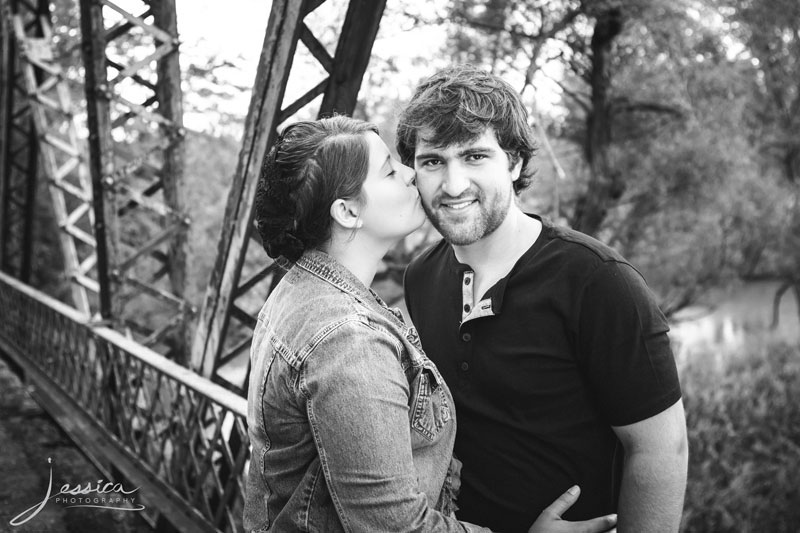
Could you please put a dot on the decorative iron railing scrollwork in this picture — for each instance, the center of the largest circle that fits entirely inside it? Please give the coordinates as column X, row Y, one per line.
column 183, row 437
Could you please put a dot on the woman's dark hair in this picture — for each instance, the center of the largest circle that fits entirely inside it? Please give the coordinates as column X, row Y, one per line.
column 311, row 164
column 456, row 105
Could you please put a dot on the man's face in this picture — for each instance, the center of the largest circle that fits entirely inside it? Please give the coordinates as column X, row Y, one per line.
column 466, row 189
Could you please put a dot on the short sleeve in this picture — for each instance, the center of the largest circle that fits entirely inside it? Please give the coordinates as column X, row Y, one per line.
column 623, row 346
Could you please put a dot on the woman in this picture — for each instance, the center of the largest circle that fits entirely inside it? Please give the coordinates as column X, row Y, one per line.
column 351, row 426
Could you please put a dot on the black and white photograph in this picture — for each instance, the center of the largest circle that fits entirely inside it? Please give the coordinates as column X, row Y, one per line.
column 399, row 266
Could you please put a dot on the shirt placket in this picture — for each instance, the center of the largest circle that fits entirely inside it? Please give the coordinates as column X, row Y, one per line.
column 467, row 327
column 468, row 311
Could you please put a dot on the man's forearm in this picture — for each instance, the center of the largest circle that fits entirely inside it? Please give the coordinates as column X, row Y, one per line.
column 653, row 487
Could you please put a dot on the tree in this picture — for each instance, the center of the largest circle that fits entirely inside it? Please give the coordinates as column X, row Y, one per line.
column 665, row 116
column 771, row 33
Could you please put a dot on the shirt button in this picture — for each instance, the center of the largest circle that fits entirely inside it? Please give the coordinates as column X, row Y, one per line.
column 464, row 366
column 466, row 337
column 467, row 308
column 467, row 281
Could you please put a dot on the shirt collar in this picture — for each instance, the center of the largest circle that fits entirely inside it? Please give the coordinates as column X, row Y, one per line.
column 497, row 291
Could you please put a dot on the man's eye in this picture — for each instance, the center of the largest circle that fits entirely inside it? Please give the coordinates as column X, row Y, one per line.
column 476, row 157
column 430, row 163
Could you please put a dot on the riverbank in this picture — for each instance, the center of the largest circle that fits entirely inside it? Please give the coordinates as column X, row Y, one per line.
column 727, row 321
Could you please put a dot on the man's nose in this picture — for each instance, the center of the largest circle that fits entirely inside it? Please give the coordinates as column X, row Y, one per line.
column 455, row 180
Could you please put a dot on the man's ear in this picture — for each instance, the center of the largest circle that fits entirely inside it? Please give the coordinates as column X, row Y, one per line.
column 516, row 170
column 345, row 213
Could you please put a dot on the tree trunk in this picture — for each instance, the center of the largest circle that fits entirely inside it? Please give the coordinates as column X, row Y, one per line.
column 604, row 185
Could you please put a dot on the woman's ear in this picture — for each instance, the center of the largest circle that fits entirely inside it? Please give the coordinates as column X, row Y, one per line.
column 345, row 213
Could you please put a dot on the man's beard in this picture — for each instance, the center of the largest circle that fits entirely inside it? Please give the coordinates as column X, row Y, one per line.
column 474, row 228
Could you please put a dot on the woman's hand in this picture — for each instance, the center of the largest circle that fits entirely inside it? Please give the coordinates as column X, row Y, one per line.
column 550, row 520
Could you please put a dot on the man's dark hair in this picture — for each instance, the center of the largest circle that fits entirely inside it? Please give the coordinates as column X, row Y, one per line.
column 456, row 105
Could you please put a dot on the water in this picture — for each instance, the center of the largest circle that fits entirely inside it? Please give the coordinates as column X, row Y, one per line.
column 733, row 318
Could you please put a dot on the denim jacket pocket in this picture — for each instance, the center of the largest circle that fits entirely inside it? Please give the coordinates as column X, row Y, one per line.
column 430, row 410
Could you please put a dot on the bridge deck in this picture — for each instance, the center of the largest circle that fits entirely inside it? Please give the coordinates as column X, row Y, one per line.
column 28, row 436
column 175, row 437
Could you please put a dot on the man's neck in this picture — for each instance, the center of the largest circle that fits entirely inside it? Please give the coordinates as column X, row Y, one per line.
column 506, row 244
column 495, row 255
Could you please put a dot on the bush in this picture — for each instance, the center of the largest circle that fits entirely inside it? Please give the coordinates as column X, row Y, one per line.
column 744, row 441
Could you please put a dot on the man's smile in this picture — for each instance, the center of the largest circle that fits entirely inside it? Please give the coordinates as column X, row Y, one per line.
column 457, row 205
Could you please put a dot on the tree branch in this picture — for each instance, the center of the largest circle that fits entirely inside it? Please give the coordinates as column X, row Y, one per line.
column 558, row 26
column 581, row 99
column 624, row 105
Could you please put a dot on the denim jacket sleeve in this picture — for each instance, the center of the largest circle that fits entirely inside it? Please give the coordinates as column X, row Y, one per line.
column 357, row 402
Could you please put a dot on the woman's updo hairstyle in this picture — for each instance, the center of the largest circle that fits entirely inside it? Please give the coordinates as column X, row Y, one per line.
column 311, row 165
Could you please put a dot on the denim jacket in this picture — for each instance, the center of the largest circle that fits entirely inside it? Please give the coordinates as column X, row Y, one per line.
column 351, row 426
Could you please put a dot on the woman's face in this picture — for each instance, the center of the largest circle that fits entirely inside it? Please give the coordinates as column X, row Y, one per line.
column 392, row 208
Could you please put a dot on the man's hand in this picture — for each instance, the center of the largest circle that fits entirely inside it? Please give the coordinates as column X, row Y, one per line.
column 550, row 520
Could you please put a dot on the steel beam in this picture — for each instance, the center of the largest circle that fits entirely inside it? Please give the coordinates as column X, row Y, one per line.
column 136, row 163
column 18, row 157
column 42, row 81
column 100, row 158
column 231, row 303
column 18, row 149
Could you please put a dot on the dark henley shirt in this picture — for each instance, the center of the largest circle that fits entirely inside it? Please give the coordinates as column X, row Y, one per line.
column 568, row 344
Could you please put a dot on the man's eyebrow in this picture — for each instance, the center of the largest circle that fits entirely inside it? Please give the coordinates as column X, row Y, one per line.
column 461, row 153
column 476, row 148
column 425, row 155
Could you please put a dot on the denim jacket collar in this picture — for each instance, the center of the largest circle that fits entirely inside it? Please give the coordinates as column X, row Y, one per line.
column 325, row 267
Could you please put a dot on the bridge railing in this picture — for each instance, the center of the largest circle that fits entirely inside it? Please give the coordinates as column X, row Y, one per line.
column 178, row 437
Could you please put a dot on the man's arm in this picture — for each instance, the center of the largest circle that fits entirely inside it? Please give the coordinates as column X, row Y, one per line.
column 654, row 472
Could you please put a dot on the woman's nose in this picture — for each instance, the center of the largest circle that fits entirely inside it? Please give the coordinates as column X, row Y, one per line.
column 410, row 176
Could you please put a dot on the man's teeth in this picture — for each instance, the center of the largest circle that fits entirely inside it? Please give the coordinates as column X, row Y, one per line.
column 459, row 205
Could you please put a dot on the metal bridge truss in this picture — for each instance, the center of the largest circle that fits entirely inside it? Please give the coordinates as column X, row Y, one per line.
column 135, row 115
column 243, row 275
column 109, row 148
column 18, row 158
column 107, row 141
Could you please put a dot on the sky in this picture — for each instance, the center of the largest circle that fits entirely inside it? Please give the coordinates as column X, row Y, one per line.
column 236, row 32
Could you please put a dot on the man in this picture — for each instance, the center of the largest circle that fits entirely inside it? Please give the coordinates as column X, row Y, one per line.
column 552, row 345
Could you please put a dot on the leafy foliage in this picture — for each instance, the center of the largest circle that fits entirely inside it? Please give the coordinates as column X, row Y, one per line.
column 744, row 441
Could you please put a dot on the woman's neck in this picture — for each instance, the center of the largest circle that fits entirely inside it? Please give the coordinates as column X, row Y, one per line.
column 359, row 257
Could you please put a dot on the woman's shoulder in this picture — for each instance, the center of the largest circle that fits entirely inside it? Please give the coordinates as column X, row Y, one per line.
column 325, row 319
